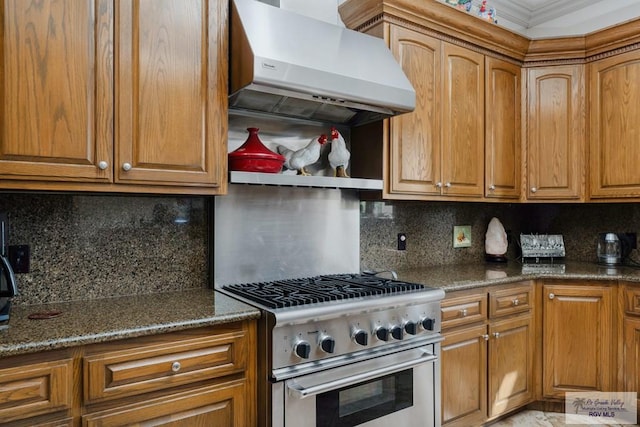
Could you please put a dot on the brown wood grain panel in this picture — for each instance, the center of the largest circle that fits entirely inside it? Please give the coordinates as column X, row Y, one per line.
column 143, row 368
column 56, row 81
column 462, row 122
column 415, row 150
column 504, row 302
column 511, row 355
column 503, row 129
column 34, row 389
column 555, row 167
column 578, row 328
column 464, row 370
column 614, row 108
column 632, row 300
column 463, row 310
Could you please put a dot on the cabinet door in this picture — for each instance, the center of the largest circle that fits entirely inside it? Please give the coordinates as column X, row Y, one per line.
column 464, row 377
column 631, row 354
column 56, row 90
column 614, row 109
column 216, row 406
column 463, row 122
column 555, row 133
column 511, row 350
column 414, row 162
column 503, row 95
column 577, row 340
column 171, row 91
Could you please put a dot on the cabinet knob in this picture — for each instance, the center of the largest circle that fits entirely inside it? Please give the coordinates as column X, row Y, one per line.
column 534, row 189
column 438, row 184
column 485, row 337
column 492, row 187
column 551, row 296
column 463, row 312
column 448, row 184
column 175, row 366
column 496, row 334
column 515, row 302
column 102, row 165
column 126, row 167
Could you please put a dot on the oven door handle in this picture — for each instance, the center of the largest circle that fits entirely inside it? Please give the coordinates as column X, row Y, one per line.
column 301, row 392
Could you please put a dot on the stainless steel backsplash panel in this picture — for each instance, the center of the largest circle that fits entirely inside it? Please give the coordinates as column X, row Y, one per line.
column 264, row 233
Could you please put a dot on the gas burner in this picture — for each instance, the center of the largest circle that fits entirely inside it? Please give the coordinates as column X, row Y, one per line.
column 310, row 290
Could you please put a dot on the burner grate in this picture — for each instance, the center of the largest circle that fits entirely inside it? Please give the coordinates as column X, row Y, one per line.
column 310, row 290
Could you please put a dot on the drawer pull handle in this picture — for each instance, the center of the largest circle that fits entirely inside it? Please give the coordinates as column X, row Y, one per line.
column 102, row 165
column 126, row 167
column 496, row 334
column 463, row 312
column 551, row 296
column 486, row 337
column 175, row 367
column 515, row 302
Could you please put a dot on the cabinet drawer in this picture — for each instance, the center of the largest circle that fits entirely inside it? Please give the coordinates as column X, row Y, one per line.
column 510, row 301
column 145, row 368
column 463, row 310
column 632, row 300
column 219, row 405
column 35, row 389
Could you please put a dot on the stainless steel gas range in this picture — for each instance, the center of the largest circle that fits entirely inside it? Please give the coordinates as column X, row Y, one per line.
column 346, row 350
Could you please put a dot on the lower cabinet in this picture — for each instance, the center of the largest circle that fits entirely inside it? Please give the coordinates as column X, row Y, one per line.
column 487, row 354
column 578, row 337
column 631, row 333
column 203, row 376
column 219, row 405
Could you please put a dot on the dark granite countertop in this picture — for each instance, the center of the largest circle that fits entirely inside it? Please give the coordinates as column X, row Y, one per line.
column 468, row 276
column 100, row 320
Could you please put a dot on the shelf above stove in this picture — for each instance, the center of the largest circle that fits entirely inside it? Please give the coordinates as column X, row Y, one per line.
column 258, row 178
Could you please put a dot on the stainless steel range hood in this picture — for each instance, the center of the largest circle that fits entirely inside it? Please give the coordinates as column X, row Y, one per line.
column 287, row 64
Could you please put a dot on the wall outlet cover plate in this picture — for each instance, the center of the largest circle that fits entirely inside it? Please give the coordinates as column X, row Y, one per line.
column 461, row 236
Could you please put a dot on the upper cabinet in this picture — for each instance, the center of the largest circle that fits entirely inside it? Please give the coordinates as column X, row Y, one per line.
column 555, row 143
column 438, row 151
column 614, row 90
column 502, row 139
column 130, row 97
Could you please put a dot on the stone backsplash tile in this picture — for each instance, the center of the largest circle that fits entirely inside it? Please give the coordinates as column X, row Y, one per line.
column 429, row 228
column 95, row 246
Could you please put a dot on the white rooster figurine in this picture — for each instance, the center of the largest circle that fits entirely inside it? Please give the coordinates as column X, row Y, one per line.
column 308, row 155
column 339, row 155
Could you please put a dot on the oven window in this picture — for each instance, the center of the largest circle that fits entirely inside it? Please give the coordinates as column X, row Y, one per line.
column 366, row 401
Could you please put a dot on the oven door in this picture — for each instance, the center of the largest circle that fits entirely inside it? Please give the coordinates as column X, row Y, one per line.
column 397, row 389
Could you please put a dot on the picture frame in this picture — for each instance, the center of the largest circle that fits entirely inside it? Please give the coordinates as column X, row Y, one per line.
column 461, row 236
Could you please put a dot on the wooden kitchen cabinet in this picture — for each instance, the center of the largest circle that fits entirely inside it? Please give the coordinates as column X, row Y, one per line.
column 631, row 338
column 578, row 338
column 37, row 390
column 614, row 88
column 503, row 124
column 126, row 97
column 555, row 145
column 438, row 149
column 487, row 354
column 203, row 376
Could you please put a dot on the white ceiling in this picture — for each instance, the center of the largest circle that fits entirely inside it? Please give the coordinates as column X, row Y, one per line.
column 551, row 18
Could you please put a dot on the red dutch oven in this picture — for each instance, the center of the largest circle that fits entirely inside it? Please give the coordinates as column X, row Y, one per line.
column 253, row 156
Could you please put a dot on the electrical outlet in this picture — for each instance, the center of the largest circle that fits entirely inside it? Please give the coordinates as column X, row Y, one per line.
column 402, row 241
column 19, row 258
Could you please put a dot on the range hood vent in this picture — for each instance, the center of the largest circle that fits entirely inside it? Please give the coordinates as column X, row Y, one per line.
column 287, row 64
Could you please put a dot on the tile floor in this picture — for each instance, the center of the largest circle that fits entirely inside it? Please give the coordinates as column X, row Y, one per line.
column 530, row 418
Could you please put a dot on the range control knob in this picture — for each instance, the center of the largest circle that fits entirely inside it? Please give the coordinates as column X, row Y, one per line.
column 382, row 333
column 361, row 337
column 397, row 332
column 428, row 323
column 411, row 327
column 327, row 344
column 302, row 349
